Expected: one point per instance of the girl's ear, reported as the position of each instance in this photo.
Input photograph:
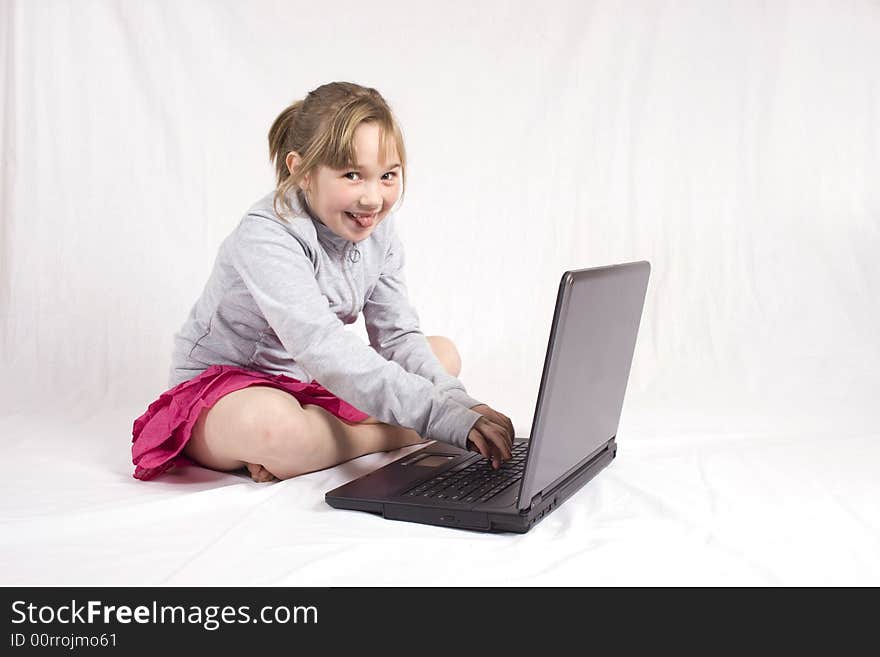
(292, 161)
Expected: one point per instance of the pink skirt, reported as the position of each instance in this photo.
(160, 434)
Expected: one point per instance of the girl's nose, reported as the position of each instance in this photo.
(370, 198)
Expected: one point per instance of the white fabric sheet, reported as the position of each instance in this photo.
(735, 146)
(683, 506)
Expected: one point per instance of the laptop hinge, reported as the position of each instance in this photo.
(561, 481)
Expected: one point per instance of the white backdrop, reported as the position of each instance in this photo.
(736, 146)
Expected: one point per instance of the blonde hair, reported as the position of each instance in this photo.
(320, 128)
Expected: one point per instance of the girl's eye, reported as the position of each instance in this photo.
(354, 175)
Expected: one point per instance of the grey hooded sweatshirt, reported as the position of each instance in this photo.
(277, 299)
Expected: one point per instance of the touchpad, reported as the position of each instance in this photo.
(433, 460)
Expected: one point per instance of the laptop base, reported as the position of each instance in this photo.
(499, 514)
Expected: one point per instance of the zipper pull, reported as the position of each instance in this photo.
(354, 254)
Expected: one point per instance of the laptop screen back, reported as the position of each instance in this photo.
(586, 370)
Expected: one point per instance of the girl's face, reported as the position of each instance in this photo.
(352, 202)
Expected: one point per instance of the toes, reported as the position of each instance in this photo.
(265, 476)
(260, 474)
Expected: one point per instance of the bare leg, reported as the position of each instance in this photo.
(348, 441)
(342, 441)
(286, 439)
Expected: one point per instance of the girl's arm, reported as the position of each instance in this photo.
(278, 272)
(393, 328)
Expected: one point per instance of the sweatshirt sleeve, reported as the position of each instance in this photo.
(393, 328)
(276, 268)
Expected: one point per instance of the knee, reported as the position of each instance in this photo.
(447, 353)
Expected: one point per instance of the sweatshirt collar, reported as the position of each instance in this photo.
(326, 237)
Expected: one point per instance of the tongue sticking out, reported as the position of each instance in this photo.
(364, 221)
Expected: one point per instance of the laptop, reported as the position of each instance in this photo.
(574, 433)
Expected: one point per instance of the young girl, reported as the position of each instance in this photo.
(264, 374)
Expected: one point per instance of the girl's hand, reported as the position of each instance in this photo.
(491, 440)
(497, 418)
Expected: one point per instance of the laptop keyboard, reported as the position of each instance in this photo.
(478, 482)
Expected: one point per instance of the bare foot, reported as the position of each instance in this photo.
(259, 473)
